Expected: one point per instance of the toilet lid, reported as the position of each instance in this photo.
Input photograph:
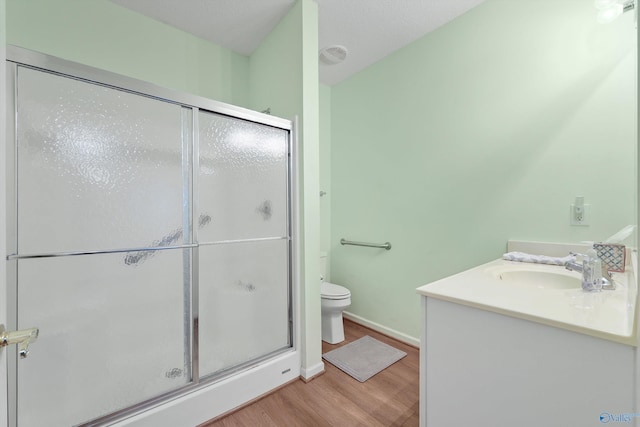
(332, 291)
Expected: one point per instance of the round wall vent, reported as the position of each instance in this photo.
(333, 55)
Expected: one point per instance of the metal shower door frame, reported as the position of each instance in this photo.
(18, 57)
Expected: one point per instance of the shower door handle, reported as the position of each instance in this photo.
(23, 338)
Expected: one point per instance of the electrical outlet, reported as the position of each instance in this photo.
(580, 214)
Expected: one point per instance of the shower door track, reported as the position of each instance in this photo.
(115, 417)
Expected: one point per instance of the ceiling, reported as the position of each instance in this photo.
(369, 29)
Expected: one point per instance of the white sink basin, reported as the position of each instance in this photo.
(547, 294)
(549, 278)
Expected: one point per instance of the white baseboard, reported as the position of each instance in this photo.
(308, 373)
(407, 339)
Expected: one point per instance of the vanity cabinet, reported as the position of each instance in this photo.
(481, 368)
(513, 344)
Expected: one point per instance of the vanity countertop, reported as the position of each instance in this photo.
(609, 314)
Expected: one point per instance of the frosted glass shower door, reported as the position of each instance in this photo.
(100, 186)
(149, 240)
(244, 260)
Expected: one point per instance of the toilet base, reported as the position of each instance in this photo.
(332, 327)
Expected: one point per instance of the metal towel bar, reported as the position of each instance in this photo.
(385, 245)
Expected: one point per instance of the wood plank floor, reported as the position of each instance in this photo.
(390, 398)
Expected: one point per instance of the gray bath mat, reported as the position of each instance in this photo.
(364, 357)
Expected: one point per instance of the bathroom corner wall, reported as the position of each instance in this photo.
(107, 36)
(482, 131)
(284, 78)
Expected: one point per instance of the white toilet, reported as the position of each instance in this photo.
(335, 299)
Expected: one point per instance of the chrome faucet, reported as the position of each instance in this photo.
(573, 265)
(589, 282)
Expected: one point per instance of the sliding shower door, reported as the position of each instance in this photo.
(244, 252)
(134, 220)
(99, 178)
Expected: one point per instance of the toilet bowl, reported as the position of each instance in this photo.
(335, 299)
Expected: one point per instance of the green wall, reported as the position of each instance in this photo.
(325, 169)
(104, 35)
(482, 131)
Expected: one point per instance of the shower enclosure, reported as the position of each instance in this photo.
(150, 240)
